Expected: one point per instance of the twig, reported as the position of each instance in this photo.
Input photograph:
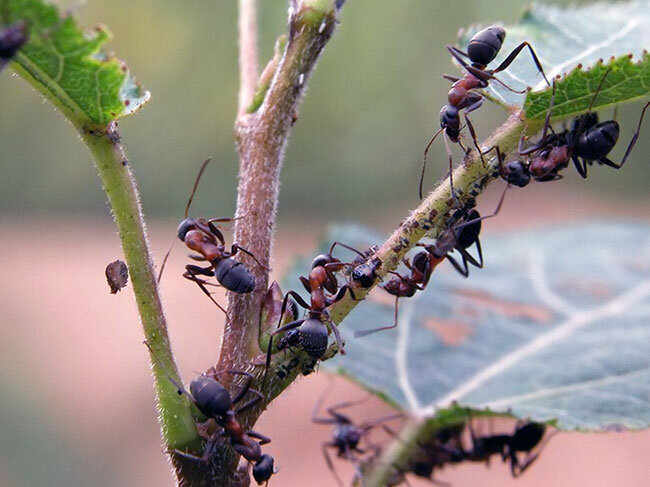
(248, 58)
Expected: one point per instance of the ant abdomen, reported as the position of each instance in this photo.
(598, 141)
(485, 45)
(234, 276)
(210, 397)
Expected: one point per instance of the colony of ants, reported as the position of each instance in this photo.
(331, 279)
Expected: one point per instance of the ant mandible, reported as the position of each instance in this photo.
(346, 435)
(483, 47)
(215, 402)
(203, 236)
(462, 232)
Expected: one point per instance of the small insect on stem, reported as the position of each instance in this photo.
(117, 275)
(205, 238)
(463, 95)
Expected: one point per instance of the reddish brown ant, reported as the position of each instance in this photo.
(586, 142)
(526, 436)
(483, 47)
(215, 402)
(346, 435)
(463, 229)
(205, 238)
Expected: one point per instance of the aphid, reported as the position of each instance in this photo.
(117, 275)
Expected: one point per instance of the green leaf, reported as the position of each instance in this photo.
(555, 327)
(565, 38)
(68, 67)
(625, 81)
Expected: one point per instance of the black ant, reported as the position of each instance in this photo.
(346, 435)
(526, 436)
(483, 47)
(311, 334)
(204, 237)
(584, 143)
(215, 402)
(12, 38)
(462, 232)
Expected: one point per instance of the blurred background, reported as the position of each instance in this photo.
(77, 404)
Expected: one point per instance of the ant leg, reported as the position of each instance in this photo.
(363, 333)
(263, 438)
(581, 166)
(341, 418)
(514, 53)
(424, 161)
(191, 273)
(472, 132)
(207, 452)
(341, 294)
(337, 334)
(258, 397)
(456, 52)
(328, 461)
(236, 247)
(630, 146)
(451, 172)
(464, 271)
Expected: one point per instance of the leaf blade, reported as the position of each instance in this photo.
(536, 337)
(68, 67)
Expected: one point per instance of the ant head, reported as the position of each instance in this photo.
(421, 260)
(210, 397)
(485, 45)
(321, 260)
(365, 274)
(263, 469)
(449, 116)
(290, 339)
(516, 173)
(185, 226)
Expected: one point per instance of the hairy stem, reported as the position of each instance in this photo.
(176, 420)
(248, 58)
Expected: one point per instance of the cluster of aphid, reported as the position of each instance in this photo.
(351, 442)
(584, 143)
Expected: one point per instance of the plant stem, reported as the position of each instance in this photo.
(176, 420)
(248, 58)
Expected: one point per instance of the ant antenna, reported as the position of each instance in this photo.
(424, 161)
(187, 211)
(181, 389)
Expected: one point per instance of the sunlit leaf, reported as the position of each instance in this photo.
(565, 38)
(555, 327)
(67, 65)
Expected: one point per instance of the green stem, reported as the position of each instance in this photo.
(176, 420)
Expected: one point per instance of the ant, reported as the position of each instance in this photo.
(12, 38)
(346, 435)
(311, 334)
(585, 142)
(204, 237)
(463, 229)
(483, 47)
(526, 436)
(215, 402)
